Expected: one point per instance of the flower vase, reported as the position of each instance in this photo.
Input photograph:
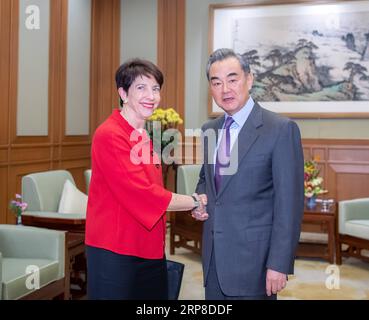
(18, 222)
(311, 202)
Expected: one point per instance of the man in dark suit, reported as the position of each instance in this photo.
(253, 177)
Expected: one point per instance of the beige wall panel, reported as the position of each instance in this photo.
(78, 68)
(138, 29)
(33, 69)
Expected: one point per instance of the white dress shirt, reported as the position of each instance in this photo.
(239, 118)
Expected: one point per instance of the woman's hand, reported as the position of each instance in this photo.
(200, 212)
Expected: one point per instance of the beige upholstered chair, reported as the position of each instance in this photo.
(28, 254)
(353, 229)
(88, 174)
(42, 192)
(182, 225)
(187, 178)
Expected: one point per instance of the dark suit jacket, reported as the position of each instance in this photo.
(254, 220)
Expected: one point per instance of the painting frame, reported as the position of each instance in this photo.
(318, 109)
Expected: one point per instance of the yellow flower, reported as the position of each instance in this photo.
(167, 116)
(312, 181)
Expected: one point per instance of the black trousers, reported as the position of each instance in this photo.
(112, 276)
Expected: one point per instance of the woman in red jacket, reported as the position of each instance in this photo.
(125, 223)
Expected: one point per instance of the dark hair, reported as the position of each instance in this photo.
(224, 53)
(131, 69)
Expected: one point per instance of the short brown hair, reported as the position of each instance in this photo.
(131, 69)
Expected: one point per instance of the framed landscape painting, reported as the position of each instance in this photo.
(309, 59)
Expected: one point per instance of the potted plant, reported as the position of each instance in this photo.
(162, 129)
(312, 183)
(17, 207)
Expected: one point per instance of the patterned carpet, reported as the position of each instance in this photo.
(314, 279)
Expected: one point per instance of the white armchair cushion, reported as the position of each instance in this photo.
(356, 209)
(54, 215)
(72, 200)
(357, 228)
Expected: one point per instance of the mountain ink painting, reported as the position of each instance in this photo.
(306, 57)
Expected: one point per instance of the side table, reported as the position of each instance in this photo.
(325, 222)
(77, 265)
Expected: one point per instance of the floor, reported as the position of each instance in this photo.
(314, 279)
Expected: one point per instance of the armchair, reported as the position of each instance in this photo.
(23, 249)
(42, 192)
(88, 174)
(183, 225)
(353, 229)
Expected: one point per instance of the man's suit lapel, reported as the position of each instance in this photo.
(210, 154)
(246, 138)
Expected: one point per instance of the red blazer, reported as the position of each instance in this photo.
(126, 202)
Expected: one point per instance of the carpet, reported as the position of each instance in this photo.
(314, 279)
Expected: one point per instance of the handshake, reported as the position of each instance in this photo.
(200, 212)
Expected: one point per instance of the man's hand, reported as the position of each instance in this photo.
(200, 212)
(275, 281)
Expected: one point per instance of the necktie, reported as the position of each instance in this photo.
(223, 153)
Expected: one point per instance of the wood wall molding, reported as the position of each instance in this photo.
(105, 52)
(8, 20)
(27, 154)
(171, 53)
(344, 165)
(13, 69)
(6, 12)
(337, 142)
